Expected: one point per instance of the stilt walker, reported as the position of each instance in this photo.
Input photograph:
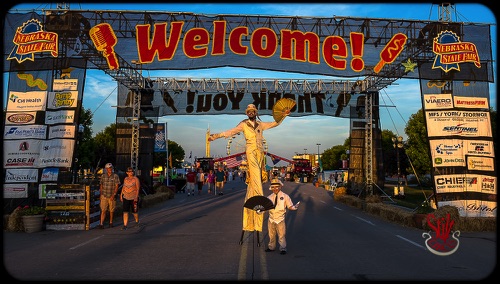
(256, 173)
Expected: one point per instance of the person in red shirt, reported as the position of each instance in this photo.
(191, 181)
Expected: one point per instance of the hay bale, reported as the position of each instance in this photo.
(441, 214)
(15, 223)
(373, 199)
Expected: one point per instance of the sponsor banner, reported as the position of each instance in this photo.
(21, 153)
(438, 101)
(62, 131)
(452, 152)
(56, 153)
(60, 116)
(62, 99)
(470, 102)
(475, 163)
(65, 85)
(21, 175)
(465, 183)
(460, 123)
(26, 101)
(49, 174)
(15, 190)
(160, 137)
(234, 100)
(473, 208)
(45, 189)
(20, 118)
(25, 132)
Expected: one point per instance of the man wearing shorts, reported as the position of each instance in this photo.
(220, 178)
(108, 189)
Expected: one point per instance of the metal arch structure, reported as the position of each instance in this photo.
(73, 27)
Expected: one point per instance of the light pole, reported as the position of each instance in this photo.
(397, 143)
(318, 144)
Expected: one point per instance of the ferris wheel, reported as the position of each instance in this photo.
(237, 144)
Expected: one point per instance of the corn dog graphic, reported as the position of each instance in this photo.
(104, 40)
(31, 82)
(391, 50)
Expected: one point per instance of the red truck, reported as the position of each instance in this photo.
(301, 168)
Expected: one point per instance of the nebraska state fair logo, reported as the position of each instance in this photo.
(439, 241)
(450, 51)
(30, 39)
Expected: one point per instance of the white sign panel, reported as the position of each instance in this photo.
(452, 152)
(465, 183)
(26, 101)
(15, 190)
(21, 175)
(62, 99)
(438, 101)
(475, 163)
(470, 102)
(65, 85)
(25, 132)
(62, 131)
(43, 191)
(49, 174)
(56, 153)
(60, 116)
(20, 118)
(21, 153)
(459, 123)
(473, 208)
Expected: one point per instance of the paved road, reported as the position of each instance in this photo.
(197, 238)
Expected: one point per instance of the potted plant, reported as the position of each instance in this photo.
(421, 212)
(33, 217)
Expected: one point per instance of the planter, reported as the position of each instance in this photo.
(33, 223)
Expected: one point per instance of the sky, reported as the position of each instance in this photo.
(295, 134)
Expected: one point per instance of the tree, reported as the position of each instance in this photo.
(417, 145)
(161, 159)
(332, 157)
(85, 143)
(390, 155)
(105, 149)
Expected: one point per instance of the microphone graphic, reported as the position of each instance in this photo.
(104, 40)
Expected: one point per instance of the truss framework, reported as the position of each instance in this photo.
(74, 25)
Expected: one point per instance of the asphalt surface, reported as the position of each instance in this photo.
(197, 238)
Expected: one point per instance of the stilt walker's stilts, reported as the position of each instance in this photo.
(243, 234)
(241, 239)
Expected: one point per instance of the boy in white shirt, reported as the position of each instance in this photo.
(276, 223)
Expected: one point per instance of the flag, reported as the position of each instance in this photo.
(170, 160)
(190, 154)
(274, 158)
(160, 137)
(234, 161)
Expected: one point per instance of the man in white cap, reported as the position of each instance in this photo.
(253, 131)
(108, 189)
(276, 225)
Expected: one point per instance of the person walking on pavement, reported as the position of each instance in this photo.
(220, 179)
(190, 181)
(130, 197)
(254, 150)
(200, 180)
(276, 225)
(108, 189)
(210, 180)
